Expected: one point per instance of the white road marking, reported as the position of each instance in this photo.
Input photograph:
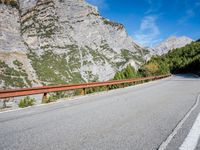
(192, 138)
(164, 145)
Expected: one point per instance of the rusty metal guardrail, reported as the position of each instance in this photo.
(48, 89)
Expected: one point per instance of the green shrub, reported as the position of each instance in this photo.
(126, 73)
(17, 63)
(96, 89)
(27, 101)
(55, 96)
(113, 24)
(78, 91)
(52, 98)
(13, 3)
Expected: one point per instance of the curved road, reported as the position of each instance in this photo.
(141, 117)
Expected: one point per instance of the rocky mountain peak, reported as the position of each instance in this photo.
(171, 43)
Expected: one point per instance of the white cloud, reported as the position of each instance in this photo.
(148, 34)
(101, 4)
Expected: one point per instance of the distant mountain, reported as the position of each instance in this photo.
(198, 40)
(170, 44)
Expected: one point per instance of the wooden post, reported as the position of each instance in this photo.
(83, 92)
(123, 85)
(4, 102)
(45, 98)
(107, 88)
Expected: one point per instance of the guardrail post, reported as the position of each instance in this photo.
(4, 102)
(83, 91)
(45, 98)
(107, 88)
(123, 85)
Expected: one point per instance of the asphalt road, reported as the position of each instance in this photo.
(135, 118)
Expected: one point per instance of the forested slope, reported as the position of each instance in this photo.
(180, 60)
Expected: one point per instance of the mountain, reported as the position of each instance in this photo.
(170, 44)
(46, 42)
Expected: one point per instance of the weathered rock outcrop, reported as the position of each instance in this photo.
(62, 41)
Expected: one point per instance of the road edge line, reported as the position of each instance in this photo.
(191, 140)
(164, 144)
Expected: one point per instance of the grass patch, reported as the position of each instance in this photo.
(27, 101)
(57, 95)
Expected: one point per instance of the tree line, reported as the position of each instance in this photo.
(180, 60)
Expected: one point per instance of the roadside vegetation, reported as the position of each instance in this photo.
(181, 60)
(27, 101)
(127, 73)
(57, 95)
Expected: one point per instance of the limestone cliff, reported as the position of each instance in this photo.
(61, 41)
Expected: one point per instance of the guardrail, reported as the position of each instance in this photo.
(48, 89)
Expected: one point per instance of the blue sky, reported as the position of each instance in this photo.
(151, 21)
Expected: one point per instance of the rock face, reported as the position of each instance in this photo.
(170, 44)
(61, 41)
